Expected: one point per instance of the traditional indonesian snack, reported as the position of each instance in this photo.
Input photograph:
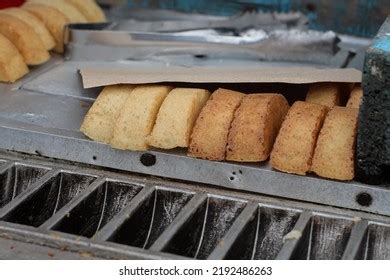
(294, 146)
(12, 65)
(210, 134)
(70, 11)
(54, 20)
(356, 97)
(334, 155)
(327, 94)
(35, 23)
(176, 117)
(100, 120)
(137, 117)
(255, 126)
(25, 39)
(91, 11)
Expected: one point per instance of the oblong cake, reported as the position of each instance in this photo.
(53, 19)
(255, 126)
(334, 155)
(99, 122)
(176, 117)
(35, 23)
(210, 134)
(294, 146)
(356, 97)
(89, 8)
(327, 94)
(12, 65)
(71, 12)
(137, 117)
(25, 39)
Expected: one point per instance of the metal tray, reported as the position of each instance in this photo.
(42, 113)
(75, 211)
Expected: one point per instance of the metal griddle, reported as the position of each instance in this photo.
(79, 206)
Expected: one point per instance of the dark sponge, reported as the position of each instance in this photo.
(373, 142)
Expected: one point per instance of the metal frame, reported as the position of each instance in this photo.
(99, 247)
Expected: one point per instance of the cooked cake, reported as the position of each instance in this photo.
(12, 65)
(137, 117)
(25, 39)
(100, 120)
(176, 117)
(294, 146)
(210, 134)
(334, 155)
(255, 126)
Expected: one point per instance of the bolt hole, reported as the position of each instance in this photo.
(234, 173)
(94, 158)
(364, 199)
(200, 56)
(240, 171)
(231, 178)
(148, 159)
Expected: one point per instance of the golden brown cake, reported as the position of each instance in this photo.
(12, 65)
(137, 117)
(176, 117)
(25, 39)
(71, 12)
(295, 143)
(210, 134)
(334, 155)
(89, 8)
(356, 97)
(35, 23)
(255, 126)
(54, 20)
(327, 94)
(99, 122)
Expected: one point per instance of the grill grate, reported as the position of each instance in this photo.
(111, 215)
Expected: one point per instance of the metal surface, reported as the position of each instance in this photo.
(79, 212)
(87, 42)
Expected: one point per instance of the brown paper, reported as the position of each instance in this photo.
(95, 77)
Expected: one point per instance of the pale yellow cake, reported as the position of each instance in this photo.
(71, 12)
(101, 118)
(35, 23)
(12, 65)
(91, 11)
(54, 20)
(176, 117)
(137, 117)
(25, 39)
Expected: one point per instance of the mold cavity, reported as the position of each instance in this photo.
(205, 229)
(98, 208)
(262, 237)
(17, 179)
(154, 215)
(49, 198)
